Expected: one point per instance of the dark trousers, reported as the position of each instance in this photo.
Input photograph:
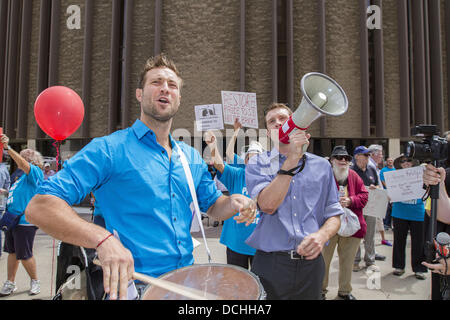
(238, 259)
(401, 228)
(284, 278)
(387, 221)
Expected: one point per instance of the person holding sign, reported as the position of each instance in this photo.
(141, 185)
(408, 216)
(299, 207)
(233, 234)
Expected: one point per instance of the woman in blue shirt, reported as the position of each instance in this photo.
(408, 216)
(19, 241)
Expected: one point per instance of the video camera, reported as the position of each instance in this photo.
(432, 147)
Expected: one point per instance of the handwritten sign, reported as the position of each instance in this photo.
(209, 117)
(405, 184)
(241, 105)
(377, 204)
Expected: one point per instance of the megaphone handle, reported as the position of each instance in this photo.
(305, 147)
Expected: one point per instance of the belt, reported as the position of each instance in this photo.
(291, 253)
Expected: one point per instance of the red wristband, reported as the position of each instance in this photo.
(101, 242)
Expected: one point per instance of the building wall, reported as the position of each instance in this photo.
(203, 37)
(391, 69)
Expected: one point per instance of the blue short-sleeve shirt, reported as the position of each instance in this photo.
(23, 190)
(144, 197)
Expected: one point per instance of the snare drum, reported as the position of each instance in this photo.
(226, 281)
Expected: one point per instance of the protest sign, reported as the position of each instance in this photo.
(241, 105)
(405, 184)
(377, 204)
(209, 117)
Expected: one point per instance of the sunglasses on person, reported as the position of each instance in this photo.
(346, 158)
(405, 160)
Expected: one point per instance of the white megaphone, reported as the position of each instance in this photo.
(321, 96)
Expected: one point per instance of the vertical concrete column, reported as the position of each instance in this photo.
(364, 56)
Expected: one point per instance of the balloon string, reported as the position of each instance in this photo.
(57, 145)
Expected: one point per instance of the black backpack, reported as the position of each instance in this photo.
(77, 277)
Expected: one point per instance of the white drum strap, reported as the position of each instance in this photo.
(188, 173)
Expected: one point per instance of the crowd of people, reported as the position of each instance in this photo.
(282, 210)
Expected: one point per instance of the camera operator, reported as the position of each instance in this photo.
(441, 176)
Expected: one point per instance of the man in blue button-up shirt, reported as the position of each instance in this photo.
(299, 213)
(139, 182)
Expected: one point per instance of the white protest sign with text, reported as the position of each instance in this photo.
(405, 184)
(241, 105)
(209, 117)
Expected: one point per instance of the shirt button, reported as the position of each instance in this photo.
(179, 242)
(297, 230)
(295, 214)
(295, 198)
(174, 219)
(293, 181)
(173, 195)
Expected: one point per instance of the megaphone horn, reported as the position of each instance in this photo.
(321, 96)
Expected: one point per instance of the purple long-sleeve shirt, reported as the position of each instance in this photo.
(312, 199)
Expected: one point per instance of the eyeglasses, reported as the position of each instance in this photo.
(346, 158)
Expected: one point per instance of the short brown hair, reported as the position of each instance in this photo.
(158, 61)
(275, 105)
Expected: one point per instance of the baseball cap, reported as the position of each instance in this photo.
(361, 150)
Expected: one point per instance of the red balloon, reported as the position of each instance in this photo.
(59, 111)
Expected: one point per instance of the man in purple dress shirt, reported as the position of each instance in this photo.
(299, 205)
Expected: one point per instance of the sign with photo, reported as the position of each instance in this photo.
(209, 117)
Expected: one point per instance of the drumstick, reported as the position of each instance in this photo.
(191, 293)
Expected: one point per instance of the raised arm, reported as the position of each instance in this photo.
(211, 141)
(18, 159)
(435, 176)
(230, 148)
(271, 197)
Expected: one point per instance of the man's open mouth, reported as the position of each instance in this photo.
(163, 100)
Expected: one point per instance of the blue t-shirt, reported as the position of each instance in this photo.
(234, 234)
(382, 171)
(238, 162)
(22, 191)
(413, 210)
(144, 197)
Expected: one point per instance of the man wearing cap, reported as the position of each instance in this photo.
(233, 235)
(370, 178)
(299, 208)
(47, 171)
(354, 197)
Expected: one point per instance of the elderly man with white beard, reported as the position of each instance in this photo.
(354, 196)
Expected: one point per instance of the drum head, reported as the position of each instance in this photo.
(226, 281)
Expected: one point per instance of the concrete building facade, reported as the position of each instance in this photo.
(389, 56)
